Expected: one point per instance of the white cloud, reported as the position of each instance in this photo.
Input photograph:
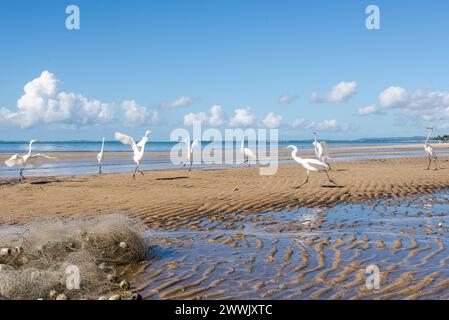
(243, 117)
(330, 125)
(217, 117)
(43, 103)
(181, 102)
(418, 105)
(287, 98)
(339, 93)
(371, 109)
(393, 97)
(298, 122)
(138, 116)
(191, 117)
(272, 121)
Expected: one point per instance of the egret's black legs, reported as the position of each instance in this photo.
(435, 162)
(307, 180)
(328, 178)
(21, 175)
(430, 161)
(135, 171)
(191, 162)
(99, 169)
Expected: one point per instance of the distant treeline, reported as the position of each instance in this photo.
(442, 138)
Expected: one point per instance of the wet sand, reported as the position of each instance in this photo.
(231, 233)
(176, 197)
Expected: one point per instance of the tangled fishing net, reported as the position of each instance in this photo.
(36, 258)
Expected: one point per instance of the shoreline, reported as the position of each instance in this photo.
(333, 151)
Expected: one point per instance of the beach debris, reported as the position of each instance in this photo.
(22, 260)
(115, 297)
(17, 251)
(4, 252)
(124, 285)
(61, 297)
(235, 189)
(6, 267)
(52, 294)
(112, 277)
(48, 247)
(440, 224)
(102, 298)
(131, 296)
(123, 245)
(104, 267)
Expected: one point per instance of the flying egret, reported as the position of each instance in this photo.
(190, 147)
(247, 153)
(100, 157)
(429, 150)
(310, 165)
(32, 160)
(321, 150)
(138, 148)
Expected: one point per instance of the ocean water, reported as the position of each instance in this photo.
(12, 147)
(157, 154)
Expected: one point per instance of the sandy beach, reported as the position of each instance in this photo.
(175, 197)
(216, 230)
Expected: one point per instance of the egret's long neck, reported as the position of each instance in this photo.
(428, 136)
(142, 149)
(102, 145)
(242, 145)
(29, 147)
(295, 155)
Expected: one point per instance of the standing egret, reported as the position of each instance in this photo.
(310, 165)
(138, 148)
(247, 153)
(100, 156)
(190, 147)
(429, 150)
(32, 160)
(321, 150)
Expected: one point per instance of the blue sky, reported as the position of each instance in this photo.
(161, 64)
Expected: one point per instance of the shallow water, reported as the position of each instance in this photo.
(319, 253)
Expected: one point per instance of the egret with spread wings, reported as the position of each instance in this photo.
(321, 150)
(190, 146)
(138, 148)
(27, 160)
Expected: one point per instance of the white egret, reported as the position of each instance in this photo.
(429, 150)
(31, 160)
(314, 165)
(190, 147)
(321, 150)
(100, 157)
(138, 149)
(247, 153)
